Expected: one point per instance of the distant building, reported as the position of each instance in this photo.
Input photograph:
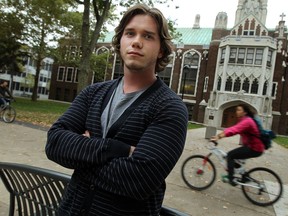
(214, 69)
(22, 83)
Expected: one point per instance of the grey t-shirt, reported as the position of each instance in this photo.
(117, 104)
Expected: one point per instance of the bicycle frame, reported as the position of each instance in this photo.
(221, 156)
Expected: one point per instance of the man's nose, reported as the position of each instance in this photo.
(137, 42)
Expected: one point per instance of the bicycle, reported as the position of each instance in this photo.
(8, 113)
(260, 185)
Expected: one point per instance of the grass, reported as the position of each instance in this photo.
(194, 126)
(282, 140)
(45, 113)
(41, 112)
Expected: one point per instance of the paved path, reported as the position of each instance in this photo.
(22, 144)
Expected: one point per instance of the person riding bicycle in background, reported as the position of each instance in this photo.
(4, 92)
(251, 145)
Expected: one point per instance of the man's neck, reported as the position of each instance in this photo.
(137, 81)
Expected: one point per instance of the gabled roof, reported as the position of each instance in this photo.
(257, 23)
(190, 36)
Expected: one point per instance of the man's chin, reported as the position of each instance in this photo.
(134, 68)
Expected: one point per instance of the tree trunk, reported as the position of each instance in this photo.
(38, 63)
(85, 74)
(36, 80)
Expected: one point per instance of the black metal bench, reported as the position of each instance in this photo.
(38, 191)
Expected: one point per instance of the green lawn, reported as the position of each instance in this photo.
(41, 112)
(281, 140)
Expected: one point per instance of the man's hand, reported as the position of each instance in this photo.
(86, 134)
(132, 148)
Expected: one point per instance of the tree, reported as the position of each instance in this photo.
(43, 22)
(12, 52)
(102, 11)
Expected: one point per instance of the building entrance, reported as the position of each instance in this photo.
(229, 117)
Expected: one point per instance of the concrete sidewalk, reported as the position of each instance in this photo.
(23, 144)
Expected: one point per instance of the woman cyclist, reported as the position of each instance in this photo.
(249, 132)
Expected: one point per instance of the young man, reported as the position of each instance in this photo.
(123, 137)
(4, 92)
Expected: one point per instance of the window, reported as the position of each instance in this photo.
(254, 86)
(265, 86)
(250, 56)
(165, 75)
(219, 83)
(190, 73)
(76, 76)
(237, 85)
(228, 86)
(222, 55)
(69, 74)
(241, 56)
(248, 32)
(206, 84)
(259, 56)
(269, 58)
(246, 85)
(188, 82)
(232, 57)
(60, 74)
(274, 89)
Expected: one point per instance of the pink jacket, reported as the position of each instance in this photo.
(246, 127)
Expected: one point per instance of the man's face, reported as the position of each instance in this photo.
(4, 84)
(140, 44)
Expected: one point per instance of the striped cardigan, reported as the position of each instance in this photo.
(106, 181)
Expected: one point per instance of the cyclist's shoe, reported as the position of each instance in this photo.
(225, 179)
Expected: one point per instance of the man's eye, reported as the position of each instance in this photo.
(129, 33)
(148, 36)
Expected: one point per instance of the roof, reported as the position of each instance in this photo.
(190, 36)
(195, 36)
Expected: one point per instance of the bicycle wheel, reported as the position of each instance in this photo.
(9, 114)
(262, 187)
(198, 172)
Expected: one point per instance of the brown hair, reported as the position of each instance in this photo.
(165, 38)
(247, 109)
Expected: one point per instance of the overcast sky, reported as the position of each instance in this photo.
(208, 10)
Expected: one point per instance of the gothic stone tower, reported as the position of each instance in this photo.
(245, 66)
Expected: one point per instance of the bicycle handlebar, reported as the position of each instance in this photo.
(215, 142)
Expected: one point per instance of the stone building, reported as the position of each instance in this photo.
(214, 69)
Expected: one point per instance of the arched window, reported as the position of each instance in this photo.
(246, 85)
(265, 86)
(228, 86)
(219, 83)
(190, 73)
(254, 87)
(237, 85)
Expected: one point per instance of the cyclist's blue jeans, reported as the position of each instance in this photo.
(242, 152)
